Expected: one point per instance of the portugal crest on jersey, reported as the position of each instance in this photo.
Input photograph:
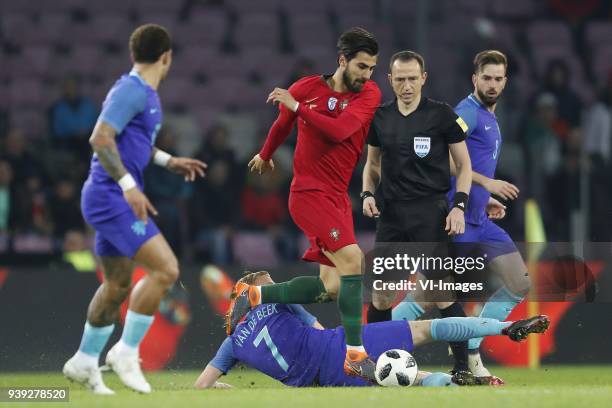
(334, 234)
(422, 145)
(331, 103)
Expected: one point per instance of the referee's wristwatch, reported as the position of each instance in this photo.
(365, 194)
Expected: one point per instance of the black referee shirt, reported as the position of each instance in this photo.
(414, 148)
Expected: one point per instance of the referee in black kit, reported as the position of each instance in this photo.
(408, 148)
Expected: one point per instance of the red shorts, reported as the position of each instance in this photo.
(326, 220)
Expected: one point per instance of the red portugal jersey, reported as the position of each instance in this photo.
(332, 129)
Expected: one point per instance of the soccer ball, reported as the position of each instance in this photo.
(396, 368)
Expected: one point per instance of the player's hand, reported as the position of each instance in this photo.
(495, 209)
(189, 168)
(369, 207)
(455, 222)
(221, 385)
(279, 95)
(140, 203)
(260, 165)
(501, 188)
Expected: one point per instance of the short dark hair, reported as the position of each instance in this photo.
(355, 40)
(251, 277)
(405, 56)
(489, 57)
(148, 42)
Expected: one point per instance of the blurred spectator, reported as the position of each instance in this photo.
(24, 164)
(72, 118)
(598, 126)
(264, 207)
(167, 192)
(569, 107)
(542, 142)
(562, 193)
(216, 146)
(77, 253)
(214, 206)
(6, 176)
(31, 209)
(213, 213)
(65, 209)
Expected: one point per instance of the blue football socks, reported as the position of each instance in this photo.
(498, 307)
(136, 326)
(94, 339)
(465, 328)
(408, 309)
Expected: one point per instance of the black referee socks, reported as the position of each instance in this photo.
(375, 315)
(459, 348)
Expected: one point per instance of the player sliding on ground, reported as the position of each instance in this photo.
(114, 204)
(333, 113)
(288, 344)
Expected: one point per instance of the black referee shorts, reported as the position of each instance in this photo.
(414, 227)
(420, 220)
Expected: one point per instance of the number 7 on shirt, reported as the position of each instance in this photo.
(264, 334)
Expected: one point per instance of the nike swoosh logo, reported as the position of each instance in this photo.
(312, 100)
(487, 127)
(153, 110)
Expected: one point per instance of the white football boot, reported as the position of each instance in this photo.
(86, 373)
(475, 364)
(127, 367)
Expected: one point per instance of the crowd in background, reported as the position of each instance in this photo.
(550, 124)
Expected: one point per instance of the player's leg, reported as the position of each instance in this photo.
(349, 261)
(465, 328)
(102, 314)
(388, 231)
(157, 258)
(505, 262)
(326, 226)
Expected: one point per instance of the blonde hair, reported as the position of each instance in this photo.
(251, 277)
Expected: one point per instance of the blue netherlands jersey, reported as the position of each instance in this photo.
(279, 341)
(133, 109)
(483, 143)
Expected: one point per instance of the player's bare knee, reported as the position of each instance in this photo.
(168, 274)
(443, 305)
(382, 300)
(331, 286)
(382, 303)
(520, 288)
(351, 263)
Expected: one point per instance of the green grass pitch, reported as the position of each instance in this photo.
(554, 386)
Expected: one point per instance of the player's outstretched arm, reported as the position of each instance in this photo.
(262, 161)
(185, 166)
(103, 143)
(337, 129)
(208, 378)
(501, 188)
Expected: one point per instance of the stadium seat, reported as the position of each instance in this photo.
(203, 29)
(549, 32)
(602, 64)
(303, 35)
(298, 7)
(513, 9)
(250, 7)
(598, 33)
(30, 120)
(257, 29)
(254, 249)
